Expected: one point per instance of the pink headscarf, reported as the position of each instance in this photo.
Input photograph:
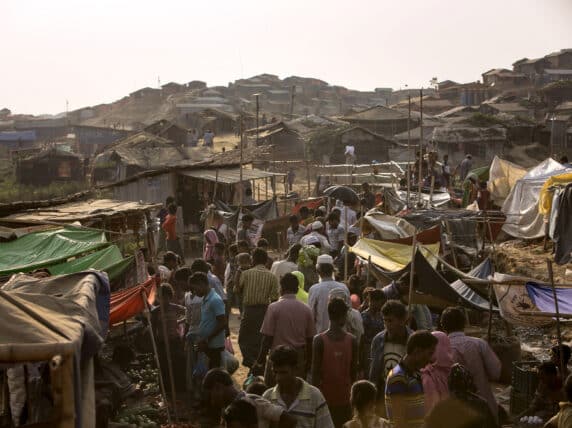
(211, 238)
(435, 375)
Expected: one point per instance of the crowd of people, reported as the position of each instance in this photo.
(325, 346)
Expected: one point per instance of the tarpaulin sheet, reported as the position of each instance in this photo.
(545, 201)
(128, 302)
(514, 299)
(523, 219)
(387, 255)
(502, 177)
(41, 249)
(108, 260)
(543, 298)
(432, 283)
(41, 318)
(388, 227)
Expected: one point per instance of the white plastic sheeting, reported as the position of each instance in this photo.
(521, 206)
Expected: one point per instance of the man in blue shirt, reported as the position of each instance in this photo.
(213, 319)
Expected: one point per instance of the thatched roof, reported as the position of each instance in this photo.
(468, 134)
(144, 150)
(377, 113)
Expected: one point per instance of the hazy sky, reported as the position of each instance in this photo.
(92, 52)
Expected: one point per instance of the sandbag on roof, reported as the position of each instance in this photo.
(108, 260)
(41, 249)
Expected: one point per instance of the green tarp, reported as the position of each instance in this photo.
(46, 248)
(108, 260)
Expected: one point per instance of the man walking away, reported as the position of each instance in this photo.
(287, 322)
(258, 287)
(334, 363)
(474, 354)
(319, 294)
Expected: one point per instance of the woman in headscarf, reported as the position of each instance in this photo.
(462, 387)
(211, 238)
(436, 374)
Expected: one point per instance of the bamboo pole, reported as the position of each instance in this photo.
(453, 252)
(147, 314)
(215, 185)
(346, 256)
(368, 270)
(558, 330)
(431, 191)
(419, 200)
(168, 351)
(409, 153)
(412, 273)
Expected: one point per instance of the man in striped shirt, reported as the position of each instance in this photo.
(404, 397)
(298, 398)
(258, 288)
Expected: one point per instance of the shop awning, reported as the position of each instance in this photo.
(230, 176)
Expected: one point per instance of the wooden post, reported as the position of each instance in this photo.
(168, 351)
(453, 252)
(419, 200)
(258, 189)
(346, 256)
(368, 271)
(431, 191)
(215, 185)
(147, 314)
(409, 153)
(412, 272)
(558, 331)
(308, 177)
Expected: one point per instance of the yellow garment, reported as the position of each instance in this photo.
(563, 419)
(545, 199)
(391, 256)
(301, 295)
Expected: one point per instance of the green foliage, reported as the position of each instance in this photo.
(10, 191)
(481, 120)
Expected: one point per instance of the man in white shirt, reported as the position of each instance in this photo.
(288, 265)
(319, 294)
(344, 211)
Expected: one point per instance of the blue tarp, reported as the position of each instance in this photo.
(18, 136)
(543, 298)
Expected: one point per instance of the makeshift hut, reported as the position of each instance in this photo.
(166, 129)
(134, 154)
(54, 327)
(48, 166)
(380, 120)
(521, 206)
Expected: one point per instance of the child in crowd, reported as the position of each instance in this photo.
(363, 405)
(218, 262)
(372, 325)
(563, 419)
(548, 393)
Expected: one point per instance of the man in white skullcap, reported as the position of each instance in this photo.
(319, 294)
(317, 228)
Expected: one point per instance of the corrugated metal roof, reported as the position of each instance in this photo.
(229, 176)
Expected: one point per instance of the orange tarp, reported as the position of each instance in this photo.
(127, 303)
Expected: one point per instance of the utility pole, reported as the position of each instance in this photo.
(419, 200)
(292, 96)
(409, 151)
(257, 113)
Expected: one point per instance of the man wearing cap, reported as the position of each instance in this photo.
(319, 294)
(316, 233)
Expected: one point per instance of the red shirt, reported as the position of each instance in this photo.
(337, 370)
(170, 227)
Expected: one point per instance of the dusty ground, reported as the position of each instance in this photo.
(528, 259)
